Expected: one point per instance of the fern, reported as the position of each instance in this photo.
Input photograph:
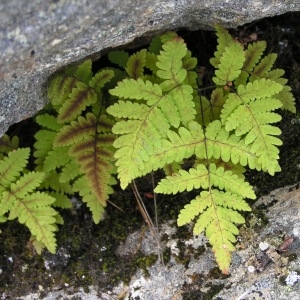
(152, 110)
(149, 113)
(160, 124)
(20, 199)
(80, 144)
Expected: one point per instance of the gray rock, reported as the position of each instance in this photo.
(37, 37)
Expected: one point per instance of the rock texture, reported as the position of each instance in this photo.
(37, 37)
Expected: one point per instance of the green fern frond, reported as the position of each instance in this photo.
(170, 64)
(119, 58)
(254, 101)
(287, 99)
(231, 62)
(84, 71)
(136, 64)
(53, 182)
(151, 60)
(203, 177)
(61, 201)
(35, 212)
(217, 220)
(137, 89)
(76, 131)
(228, 147)
(12, 166)
(164, 105)
(265, 65)
(184, 181)
(56, 158)
(224, 39)
(253, 55)
(100, 79)
(20, 199)
(60, 87)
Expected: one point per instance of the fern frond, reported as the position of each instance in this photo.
(35, 212)
(26, 184)
(81, 96)
(136, 64)
(211, 109)
(19, 198)
(169, 63)
(217, 220)
(84, 71)
(61, 200)
(127, 109)
(48, 122)
(56, 158)
(230, 182)
(95, 162)
(287, 99)
(265, 65)
(76, 131)
(12, 166)
(100, 79)
(231, 62)
(224, 39)
(95, 205)
(254, 101)
(203, 177)
(253, 55)
(60, 87)
(119, 58)
(53, 182)
(184, 181)
(151, 60)
(137, 89)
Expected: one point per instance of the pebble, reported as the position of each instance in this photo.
(263, 246)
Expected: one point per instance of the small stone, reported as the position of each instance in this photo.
(263, 246)
(296, 232)
(251, 269)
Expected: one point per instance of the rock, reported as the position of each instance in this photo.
(37, 38)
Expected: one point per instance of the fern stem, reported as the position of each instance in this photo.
(155, 202)
(148, 220)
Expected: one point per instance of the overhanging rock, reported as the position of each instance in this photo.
(38, 37)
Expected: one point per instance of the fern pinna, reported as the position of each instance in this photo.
(162, 120)
(20, 198)
(75, 147)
